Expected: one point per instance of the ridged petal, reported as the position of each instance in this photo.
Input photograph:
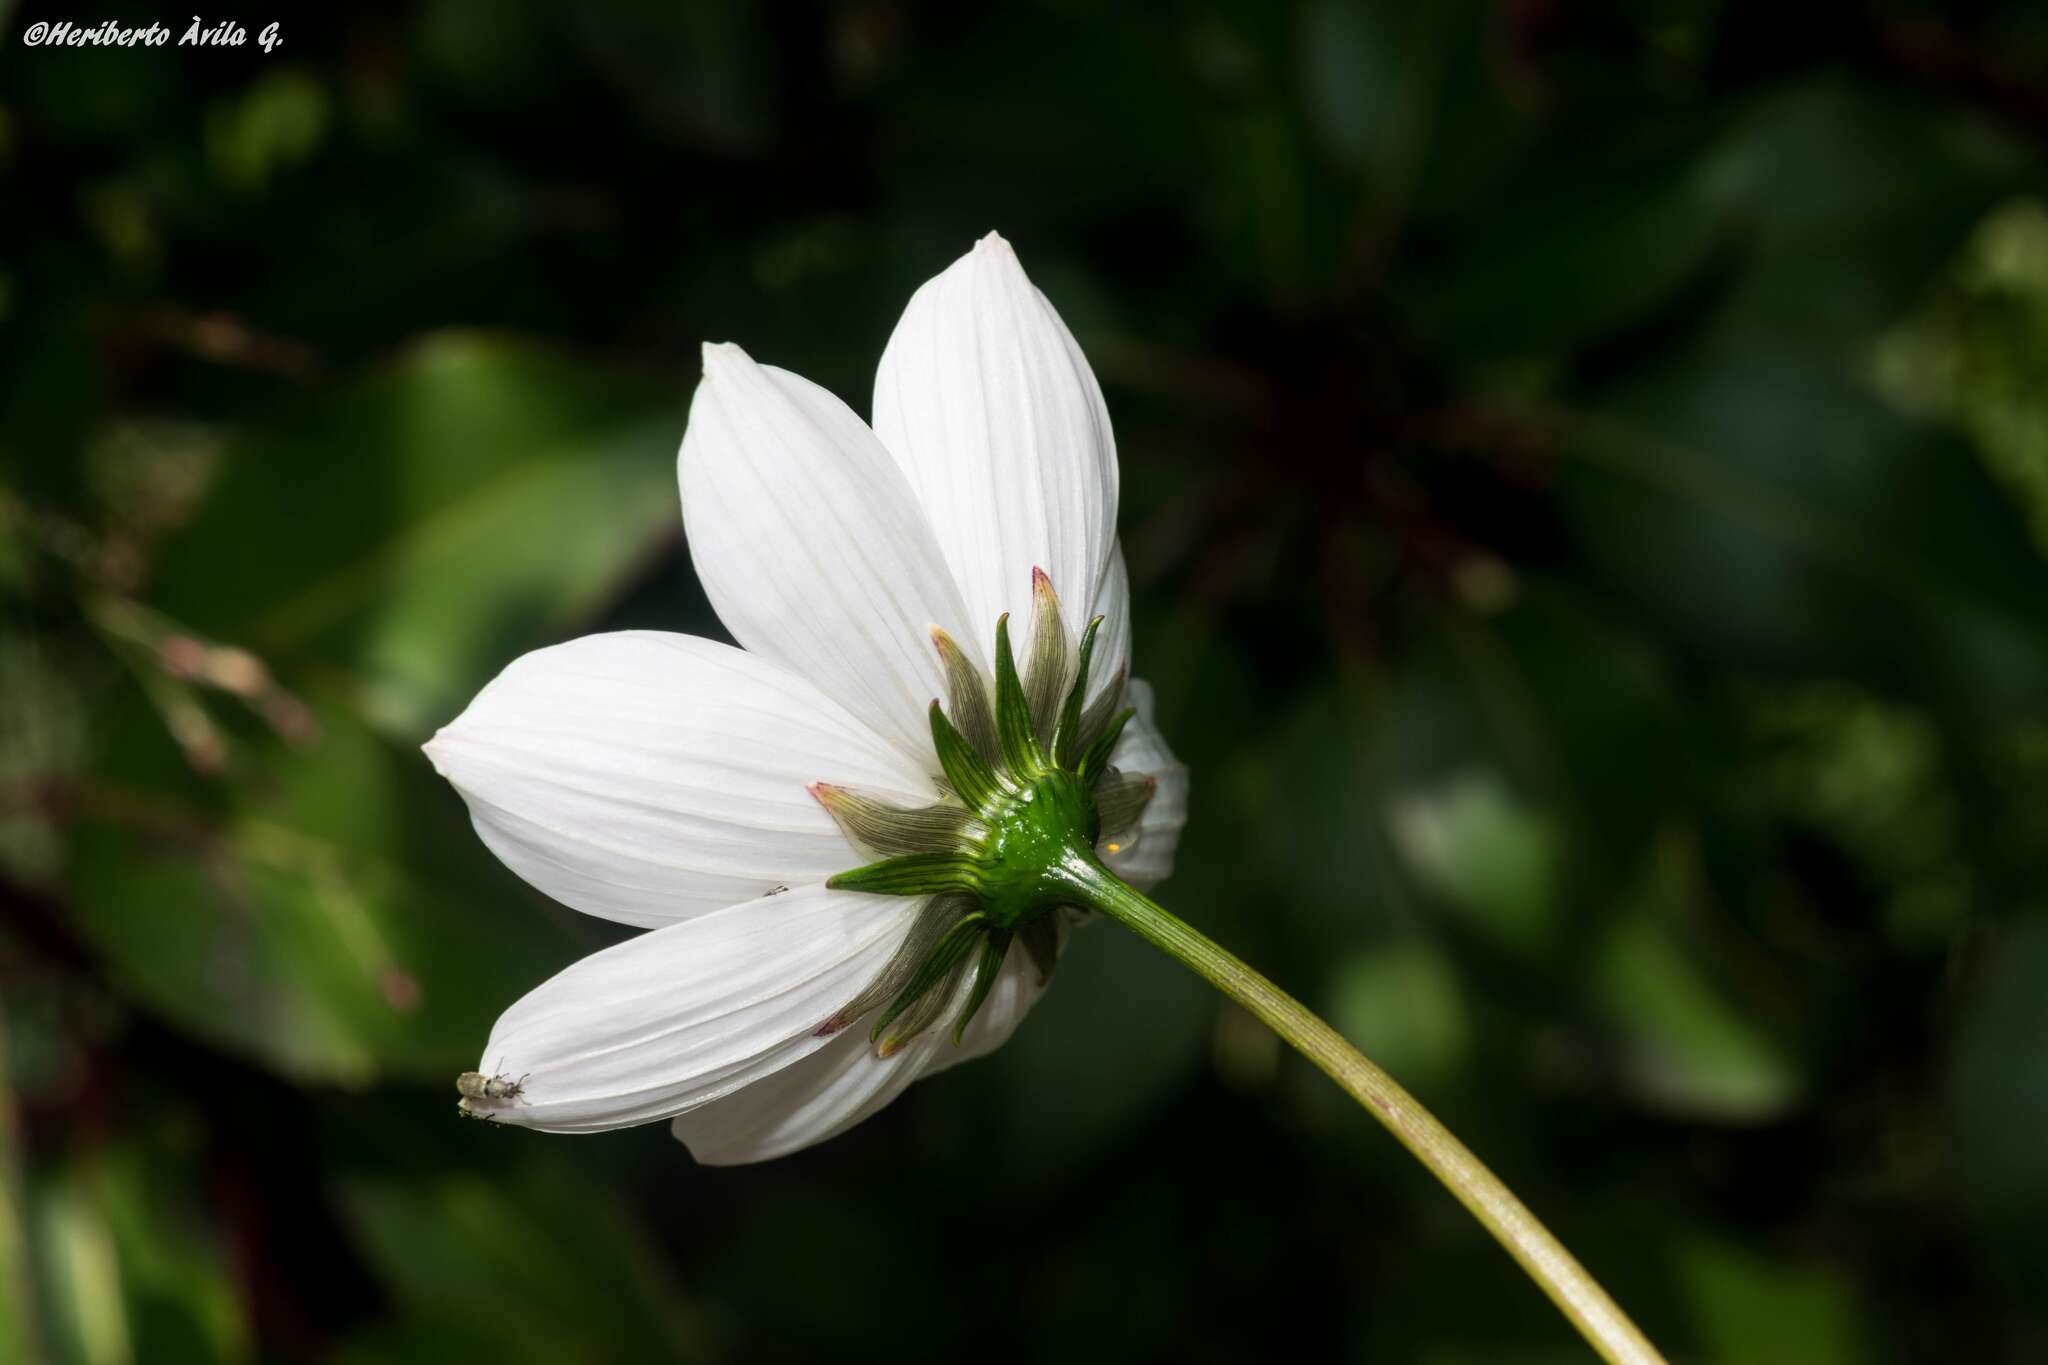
(990, 408)
(647, 777)
(1113, 642)
(812, 546)
(819, 1097)
(1147, 860)
(1016, 990)
(843, 1083)
(685, 1015)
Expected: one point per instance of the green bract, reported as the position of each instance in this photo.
(1029, 791)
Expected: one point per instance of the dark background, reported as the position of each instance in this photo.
(1585, 481)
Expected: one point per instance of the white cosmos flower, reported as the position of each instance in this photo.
(663, 780)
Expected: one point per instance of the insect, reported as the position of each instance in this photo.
(777, 890)
(474, 1085)
(481, 1115)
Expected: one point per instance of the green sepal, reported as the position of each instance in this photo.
(1096, 761)
(1045, 671)
(1041, 936)
(937, 965)
(889, 829)
(934, 918)
(1102, 708)
(912, 874)
(995, 946)
(967, 694)
(1067, 731)
(1120, 801)
(970, 776)
(922, 1012)
(1019, 742)
(1026, 788)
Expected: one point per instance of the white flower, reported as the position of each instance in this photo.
(661, 780)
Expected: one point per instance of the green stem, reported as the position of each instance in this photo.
(1577, 1294)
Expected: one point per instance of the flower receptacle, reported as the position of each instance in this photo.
(1028, 797)
(1031, 838)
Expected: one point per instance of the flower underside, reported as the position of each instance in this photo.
(1027, 785)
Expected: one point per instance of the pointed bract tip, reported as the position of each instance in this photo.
(1041, 581)
(995, 241)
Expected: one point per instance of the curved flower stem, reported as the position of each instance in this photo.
(1575, 1292)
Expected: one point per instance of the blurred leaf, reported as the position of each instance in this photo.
(1998, 1100)
(538, 1260)
(1687, 1046)
(94, 94)
(1754, 1309)
(1115, 119)
(132, 1265)
(272, 126)
(43, 736)
(20, 1337)
(1315, 797)
(1118, 1031)
(495, 492)
(1851, 202)
(423, 1339)
(491, 53)
(1373, 77)
(337, 919)
(1875, 776)
(1486, 852)
(1768, 513)
(183, 1297)
(791, 1224)
(85, 1320)
(1400, 97)
(696, 72)
(1975, 353)
(1572, 254)
(1538, 748)
(1282, 235)
(1402, 1006)
(1583, 713)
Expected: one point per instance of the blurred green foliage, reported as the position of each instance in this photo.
(1586, 486)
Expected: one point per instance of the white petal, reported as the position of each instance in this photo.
(1113, 641)
(990, 407)
(1016, 990)
(812, 546)
(821, 1096)
(684, 1015)
(844, 1082)
(1147, 860)
(647, 777)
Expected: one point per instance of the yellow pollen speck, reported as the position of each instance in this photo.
(1112, 848)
